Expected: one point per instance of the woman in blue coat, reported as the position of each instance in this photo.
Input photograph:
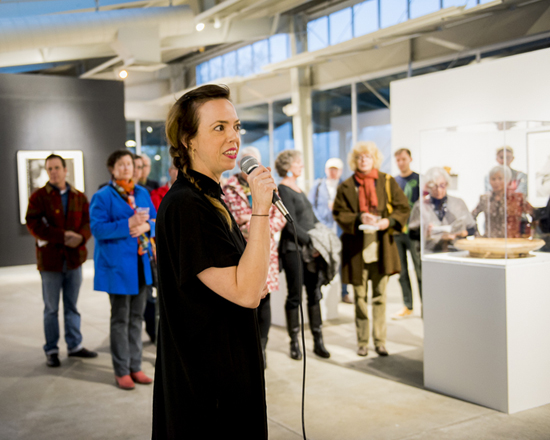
(122, 220)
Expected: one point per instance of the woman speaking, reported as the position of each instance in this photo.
(209, 379)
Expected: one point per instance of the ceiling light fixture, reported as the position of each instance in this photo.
(199, 27)
(217, 23)
(123, 74)
(149, 129)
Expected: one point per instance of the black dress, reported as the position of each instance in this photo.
(209, 378)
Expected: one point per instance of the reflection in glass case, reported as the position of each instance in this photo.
(484, 189)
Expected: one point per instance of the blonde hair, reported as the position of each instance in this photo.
(182, 125)
(365, 147)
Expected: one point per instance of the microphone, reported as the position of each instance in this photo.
(249, 164)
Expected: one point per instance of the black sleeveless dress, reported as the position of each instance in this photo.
(209, 378)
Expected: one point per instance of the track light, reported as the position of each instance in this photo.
(199, 27)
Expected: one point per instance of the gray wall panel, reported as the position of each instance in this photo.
(53, 113)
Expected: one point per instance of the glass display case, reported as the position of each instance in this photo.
(483, 188)
(482, 220)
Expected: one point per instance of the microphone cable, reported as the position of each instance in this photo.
(300, 278)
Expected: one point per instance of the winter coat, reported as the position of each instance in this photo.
(347, 215)
(116, 252)
(47, 222)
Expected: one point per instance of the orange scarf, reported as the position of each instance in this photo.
(368, 201)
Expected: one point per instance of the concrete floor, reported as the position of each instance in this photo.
(347, 397)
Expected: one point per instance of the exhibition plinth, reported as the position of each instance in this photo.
(487, 329)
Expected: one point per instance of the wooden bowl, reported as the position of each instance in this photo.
(499, 247)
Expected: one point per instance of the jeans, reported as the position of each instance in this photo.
(126, 322)
(403, 243)
(68, 281)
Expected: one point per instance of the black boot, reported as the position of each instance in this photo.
(263, 341)
(293, 327)
(315, 323)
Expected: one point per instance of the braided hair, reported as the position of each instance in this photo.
(182, 125)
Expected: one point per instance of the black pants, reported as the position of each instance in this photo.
(404, 243)
(291, 263)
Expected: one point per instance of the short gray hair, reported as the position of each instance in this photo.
(502, 169)
(284, 161)
(433, 173)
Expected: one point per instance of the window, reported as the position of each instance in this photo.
(283, 136)
(230, 64)
(365, 18)
(393, 12)
(331, 126)
(202, 73)
(216, 68)
(340, 25)
(255, 133)
(423, 7)
(261, 55)
(317, 34)
(153, 144)
(244, 61)
(278, 48)
(131, 136)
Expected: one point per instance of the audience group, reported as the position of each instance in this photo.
(379, 220)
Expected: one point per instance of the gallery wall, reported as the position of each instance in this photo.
(53, 113)
(471, 99)
(514, 88)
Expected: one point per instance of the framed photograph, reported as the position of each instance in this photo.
(31, 173)
(538, 178)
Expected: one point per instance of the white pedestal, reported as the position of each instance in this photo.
(487, 329)
(332, 295)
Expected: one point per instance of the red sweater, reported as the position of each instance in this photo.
(158, 194)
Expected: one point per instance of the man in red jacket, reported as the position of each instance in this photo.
(59, 219)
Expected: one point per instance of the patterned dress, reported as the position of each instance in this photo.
(497, 223)
(236, 197)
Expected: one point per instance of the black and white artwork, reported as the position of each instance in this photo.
(31, 168)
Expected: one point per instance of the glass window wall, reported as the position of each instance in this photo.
(365, 18)
(283, 134)
(393, 12)
(332, 135)
(317, 34)
(341, 26)
(373, 116)
(154, 145)
(424, 7)
(131, 136)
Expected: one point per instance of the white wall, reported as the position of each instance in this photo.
(516, 88)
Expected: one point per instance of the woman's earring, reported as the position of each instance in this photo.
(289, 174)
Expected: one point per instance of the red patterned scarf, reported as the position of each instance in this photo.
(125, 189)
(368, 201)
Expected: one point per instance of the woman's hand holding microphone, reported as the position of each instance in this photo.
(262, 186)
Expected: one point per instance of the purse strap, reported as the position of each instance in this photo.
(388, 193)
